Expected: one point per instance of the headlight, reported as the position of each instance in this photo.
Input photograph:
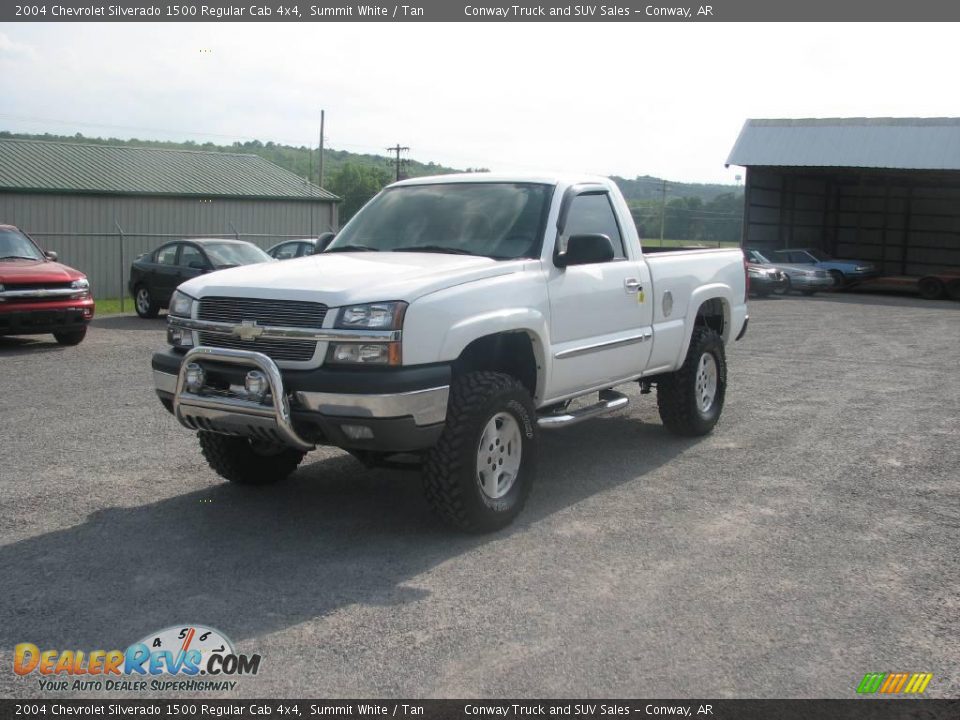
(374, 316)
(863, 268)
(179, 337)
(81, 284)
(181, 304)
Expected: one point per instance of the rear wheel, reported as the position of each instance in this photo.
(481, 471)
(931, 288)
(144, 303)
(70, 337)
(247, 462)
(690, 400)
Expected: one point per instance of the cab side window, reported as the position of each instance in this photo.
(592, 214)
(167, 255)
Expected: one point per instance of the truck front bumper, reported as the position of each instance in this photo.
(390, 410)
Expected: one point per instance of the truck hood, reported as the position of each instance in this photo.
(337, 279)
(36, 271)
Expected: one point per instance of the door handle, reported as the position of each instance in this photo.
(632, 285)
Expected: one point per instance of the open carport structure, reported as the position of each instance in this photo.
(879, 189)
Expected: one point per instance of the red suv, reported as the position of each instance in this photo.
(38, 294)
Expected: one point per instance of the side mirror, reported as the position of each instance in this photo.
(586, 250)
(50, 255)
(323, 240)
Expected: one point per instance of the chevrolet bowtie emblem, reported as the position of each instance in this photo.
(248, 330)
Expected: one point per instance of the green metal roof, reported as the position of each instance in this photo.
(40, 166)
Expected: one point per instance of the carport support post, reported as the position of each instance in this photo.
(122, 293)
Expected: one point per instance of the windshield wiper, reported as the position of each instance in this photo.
(17, 257)
(433, 249)
(351, 248)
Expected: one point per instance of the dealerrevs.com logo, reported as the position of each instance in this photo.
(178, 658)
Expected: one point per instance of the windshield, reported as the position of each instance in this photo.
(755, 257)
(14, 244)
(496, 220)
(232, 254)
(818, 255)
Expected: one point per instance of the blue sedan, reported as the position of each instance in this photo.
(843, 272)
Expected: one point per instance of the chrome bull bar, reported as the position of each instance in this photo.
(237, 416)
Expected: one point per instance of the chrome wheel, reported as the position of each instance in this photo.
(498, 455)
(706, 382)
(143, 301)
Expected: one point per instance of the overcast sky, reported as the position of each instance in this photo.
(612, 98)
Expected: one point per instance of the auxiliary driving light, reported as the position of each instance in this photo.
(194, 377)
(256, 384)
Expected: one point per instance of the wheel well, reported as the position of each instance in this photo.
(712, 314)
(510, 353)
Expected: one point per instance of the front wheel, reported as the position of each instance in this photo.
(480, 473)
(71, 337)
(247, 462)
(690, 400)
(784, 287)
(839, 279)
(144, 303)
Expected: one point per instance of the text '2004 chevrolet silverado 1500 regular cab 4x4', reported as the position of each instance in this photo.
(449, 322)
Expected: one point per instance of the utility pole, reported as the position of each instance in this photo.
(397, 149)
(320, 176)
(663, 208)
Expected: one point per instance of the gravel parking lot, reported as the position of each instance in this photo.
(811, 539)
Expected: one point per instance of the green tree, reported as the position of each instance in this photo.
(355, 184)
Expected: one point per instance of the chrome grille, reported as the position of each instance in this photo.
(293, 350)
(281, 313)
(278, 313)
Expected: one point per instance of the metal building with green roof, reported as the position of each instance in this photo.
(89, 201)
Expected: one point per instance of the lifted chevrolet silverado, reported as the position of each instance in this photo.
(448, 323)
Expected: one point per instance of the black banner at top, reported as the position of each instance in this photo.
(853, 709)
(478, 11)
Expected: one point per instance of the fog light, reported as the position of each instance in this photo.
(194, 377)
(256, 384)
(357, 432)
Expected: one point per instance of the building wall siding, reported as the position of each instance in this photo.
(83, 229)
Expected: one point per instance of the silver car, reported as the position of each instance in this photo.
(802, 278)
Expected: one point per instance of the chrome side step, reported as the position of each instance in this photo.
(610, 400)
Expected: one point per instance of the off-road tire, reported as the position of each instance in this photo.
(152, 309)
(676, 393)
(237, 460)
(450, 478)
(70, 337)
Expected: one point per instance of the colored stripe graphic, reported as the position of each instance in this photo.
(893, 683)
(871, 682)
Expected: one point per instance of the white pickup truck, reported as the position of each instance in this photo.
(448, 323)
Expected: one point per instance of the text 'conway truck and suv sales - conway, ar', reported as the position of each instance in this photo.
(451, 321)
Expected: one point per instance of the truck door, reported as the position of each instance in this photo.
(601, 313)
